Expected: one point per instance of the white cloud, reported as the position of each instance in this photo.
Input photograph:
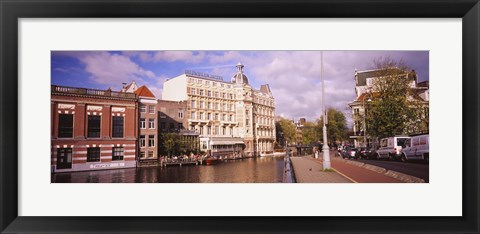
(113, 69)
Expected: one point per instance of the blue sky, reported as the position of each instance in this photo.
(293, 76)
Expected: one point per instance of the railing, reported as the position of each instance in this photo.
(92, 92)
(288, 173)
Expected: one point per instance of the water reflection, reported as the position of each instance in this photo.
(252, 170)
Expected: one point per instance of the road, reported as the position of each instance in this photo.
(417, 169)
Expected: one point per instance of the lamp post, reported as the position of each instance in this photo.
(365, 119)
(325, 148)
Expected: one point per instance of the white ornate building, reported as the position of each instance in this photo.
(232, 118)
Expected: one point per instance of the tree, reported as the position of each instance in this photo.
(285, 130)
(309, 133)
(336, 126)
(393, 107)
(171, 142)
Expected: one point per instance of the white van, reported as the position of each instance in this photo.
(391, 147)
(417, 148)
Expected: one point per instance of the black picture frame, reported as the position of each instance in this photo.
(11, 11)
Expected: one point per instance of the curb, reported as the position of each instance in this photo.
(390, 173)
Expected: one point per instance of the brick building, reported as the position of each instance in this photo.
(171, 123)
(92, 129)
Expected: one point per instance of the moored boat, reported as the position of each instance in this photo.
(211, 161)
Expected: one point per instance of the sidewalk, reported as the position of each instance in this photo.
(310, 170)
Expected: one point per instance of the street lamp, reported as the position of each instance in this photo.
(325, 149)
(365, 119)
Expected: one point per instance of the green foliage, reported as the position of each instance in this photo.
(336, 126)
(285, 130)
(171, 143)
(310, 133)
(393, 108)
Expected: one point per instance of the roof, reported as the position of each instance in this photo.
(143, 91)
(362, 76)
(265, 89)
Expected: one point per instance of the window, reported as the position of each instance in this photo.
(216, 95)
(224, 95)
(94, 126)
(117, 126)
(231, 117)
(194, 104)
(150, 154)
(142, 123)
(151, 123)
(214, 83)
(142, 154)
(143, 108)
(216, 116)
(193, 91)
(231, 107)
(209, 93)
(201, 115)
(151, 109)
(225, 107)
(65, 125)
(221, 85)
(201, 92)
(151, 141)
(194, 116)
(199, 81)
(209, 116)
(224, 117)
(224, 131)
(142, 141)
(64, 158)
(231, 96)
(231, 131)
(209, 130)
(117, 153)
(180, 113)
(217, 132)
(217, 105)
(210, 105)
(247, 122)
(207, 83)
(180, 125)
(202, 104)
(93, 154)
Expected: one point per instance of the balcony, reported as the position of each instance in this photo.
(91, 92)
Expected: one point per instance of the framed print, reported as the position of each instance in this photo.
(208, 116)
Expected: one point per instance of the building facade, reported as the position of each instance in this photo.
(172, 122)
(147, 124)
(365, 92)
(231, 117)
(92, 129)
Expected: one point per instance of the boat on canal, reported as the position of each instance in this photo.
(211, 161)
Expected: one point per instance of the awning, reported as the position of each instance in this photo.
(227, 142)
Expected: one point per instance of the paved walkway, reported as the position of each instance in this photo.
(310, 170)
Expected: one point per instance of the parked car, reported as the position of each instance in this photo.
(416, 148)
(365, 153)
(391, 147)
(350, 153)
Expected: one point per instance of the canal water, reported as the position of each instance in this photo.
(251, 170)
